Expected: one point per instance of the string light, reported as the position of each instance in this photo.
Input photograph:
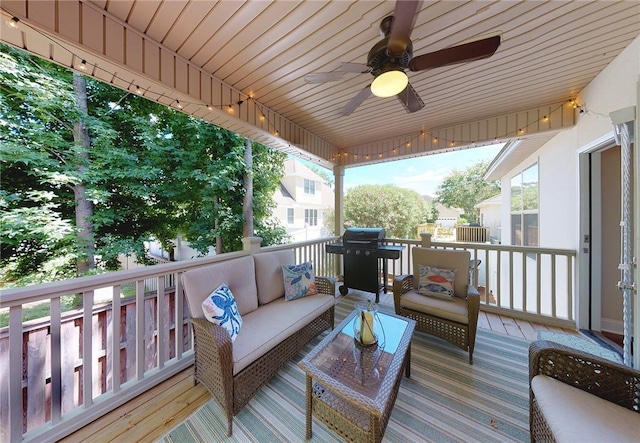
(13, 22)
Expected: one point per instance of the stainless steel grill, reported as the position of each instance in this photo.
(365, 255)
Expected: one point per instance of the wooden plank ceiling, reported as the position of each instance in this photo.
(263, 49)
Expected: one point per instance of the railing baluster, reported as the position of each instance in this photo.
(140, 329)
(15, 374)
(87, 349)
(499, 278)
(115, 339)
(160, 324)
(179, 312)
(539, 283)
(553, 285)
(56, 361)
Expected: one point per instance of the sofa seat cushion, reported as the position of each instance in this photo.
(272, 323)
(574, 415)
(454, 309)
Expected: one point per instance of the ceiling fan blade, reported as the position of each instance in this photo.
(356, 101)
(404, 17)
(356, 68)
(321, 77)
(466, 52)
(410, 99)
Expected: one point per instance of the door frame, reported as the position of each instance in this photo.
(588, 309)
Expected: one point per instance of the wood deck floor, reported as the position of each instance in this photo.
(154, 413)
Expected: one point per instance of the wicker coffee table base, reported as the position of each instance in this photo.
(347, 418)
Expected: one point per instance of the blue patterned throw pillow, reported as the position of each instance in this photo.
(221, 309)
(436, 282)
(299, 281)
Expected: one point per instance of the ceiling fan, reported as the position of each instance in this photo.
(388, 59)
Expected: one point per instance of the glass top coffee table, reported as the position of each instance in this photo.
(351, 388)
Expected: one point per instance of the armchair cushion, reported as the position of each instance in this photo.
(455, 309)
(575, 415)
(436, 282)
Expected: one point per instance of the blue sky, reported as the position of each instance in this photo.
(422, 174)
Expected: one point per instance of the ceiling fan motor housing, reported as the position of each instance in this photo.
(379, 61)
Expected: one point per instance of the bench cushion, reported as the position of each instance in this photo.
(454, 309)
(266, 327)
(574, 415)
(239, 276)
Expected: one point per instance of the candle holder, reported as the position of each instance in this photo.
(367, 326)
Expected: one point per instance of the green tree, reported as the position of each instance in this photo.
(146, 170)
(464, 189)
(397, 210)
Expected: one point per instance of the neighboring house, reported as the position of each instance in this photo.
(567, 193)
(447, 217)
(490, 213)
(302, 199)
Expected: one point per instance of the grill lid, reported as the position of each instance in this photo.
(365, 237)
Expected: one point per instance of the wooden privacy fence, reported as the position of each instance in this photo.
(472, 234)
(36, 353)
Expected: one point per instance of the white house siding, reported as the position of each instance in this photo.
(559, 213)
(299, 201)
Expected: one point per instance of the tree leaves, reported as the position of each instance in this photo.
(464, 189)
(398, 210)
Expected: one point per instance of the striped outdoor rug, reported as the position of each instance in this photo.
(445, 400)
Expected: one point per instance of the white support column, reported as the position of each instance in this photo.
(338, 175)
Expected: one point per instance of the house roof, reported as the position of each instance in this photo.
(251, 57)
(491, 201)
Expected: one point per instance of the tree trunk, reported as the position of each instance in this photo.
(247, 203)
(84, 207)
(216, 224)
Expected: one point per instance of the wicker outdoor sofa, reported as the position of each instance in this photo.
(273, 330)
(579, 397)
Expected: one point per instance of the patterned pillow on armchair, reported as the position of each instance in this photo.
(436, 282)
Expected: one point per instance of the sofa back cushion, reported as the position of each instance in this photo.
(445, 259)
(238, 274)
(269, 278)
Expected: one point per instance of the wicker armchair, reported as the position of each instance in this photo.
(603, 378)
(455, 321)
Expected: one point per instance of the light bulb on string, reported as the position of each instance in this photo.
(13, 22)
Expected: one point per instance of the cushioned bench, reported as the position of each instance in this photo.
(272, 331)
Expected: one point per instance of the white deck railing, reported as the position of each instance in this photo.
(73, 367)
(536, 284)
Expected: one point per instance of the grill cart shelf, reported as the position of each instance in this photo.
(362, 250)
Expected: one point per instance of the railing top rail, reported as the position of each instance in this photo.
(45, 291)
(487, 246)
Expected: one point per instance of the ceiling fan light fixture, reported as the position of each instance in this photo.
(389, 83)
